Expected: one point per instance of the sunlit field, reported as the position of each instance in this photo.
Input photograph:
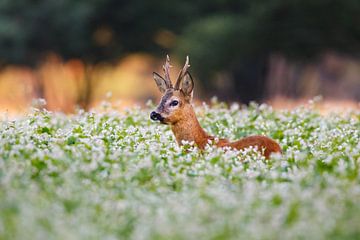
(108, 174)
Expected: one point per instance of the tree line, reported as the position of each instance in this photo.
(231, 40)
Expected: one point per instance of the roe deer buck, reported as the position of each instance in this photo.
(176, 110)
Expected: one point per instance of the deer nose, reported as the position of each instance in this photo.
(155, 116)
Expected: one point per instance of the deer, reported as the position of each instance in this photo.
(175, 109)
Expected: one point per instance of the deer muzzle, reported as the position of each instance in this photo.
(156, 116)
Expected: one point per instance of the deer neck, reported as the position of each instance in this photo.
(188, 129)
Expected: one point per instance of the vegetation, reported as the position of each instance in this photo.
(231, 37)
(110, 175)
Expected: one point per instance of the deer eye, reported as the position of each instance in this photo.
(174, 103)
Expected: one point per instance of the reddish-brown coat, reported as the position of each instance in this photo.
(187, 128)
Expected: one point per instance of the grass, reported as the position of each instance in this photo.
(112, 175)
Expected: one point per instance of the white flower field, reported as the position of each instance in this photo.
(118, 175)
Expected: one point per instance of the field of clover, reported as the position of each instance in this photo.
(106, 174)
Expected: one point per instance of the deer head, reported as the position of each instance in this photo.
(175, 100)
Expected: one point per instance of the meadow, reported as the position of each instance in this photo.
(106, 174)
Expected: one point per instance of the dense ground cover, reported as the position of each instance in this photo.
(112, 175)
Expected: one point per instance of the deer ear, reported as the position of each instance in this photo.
(160, 82)
(187, 84)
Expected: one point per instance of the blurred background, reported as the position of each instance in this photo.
(72, 52)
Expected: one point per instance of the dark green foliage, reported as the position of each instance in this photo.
(227, 30)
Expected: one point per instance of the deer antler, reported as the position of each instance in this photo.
(166, 68)
(182, 73)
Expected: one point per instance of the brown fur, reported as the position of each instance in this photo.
(188, 128)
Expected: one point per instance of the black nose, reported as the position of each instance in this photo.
(155, 116)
